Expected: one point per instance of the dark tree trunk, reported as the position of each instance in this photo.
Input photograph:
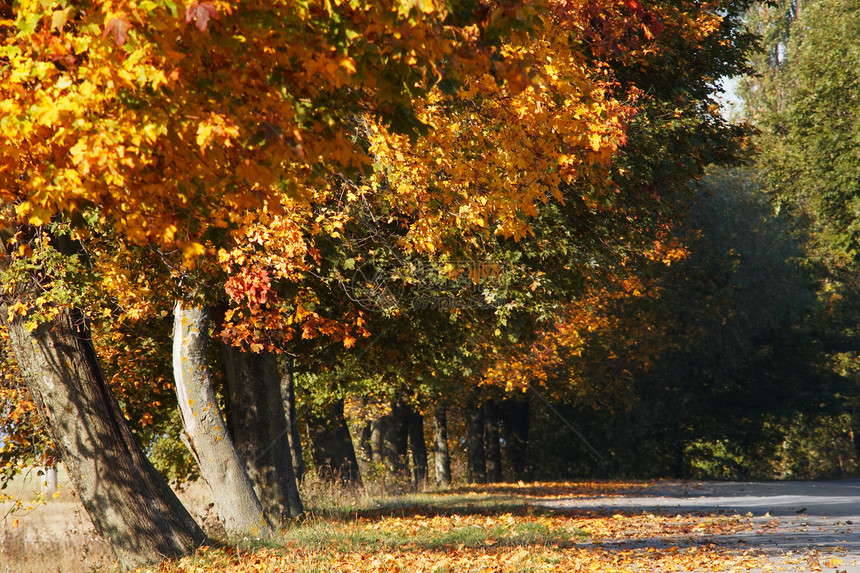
(515, 422)
(365, 441)
(418, 449)
(390, 439)
(376, 440)
(206, 433)
(492, 443)
(440, 446)
(476, 456)
(396, 440)
(130, 504)
(258, 424)
(288, 393)
(331, 446)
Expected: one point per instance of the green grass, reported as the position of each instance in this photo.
(347, 536)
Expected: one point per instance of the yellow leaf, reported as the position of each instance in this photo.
(191, 250)
(426, 6)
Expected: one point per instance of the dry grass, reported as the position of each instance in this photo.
(57, 536)
(54, 536)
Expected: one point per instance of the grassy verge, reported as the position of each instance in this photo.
(476, 529)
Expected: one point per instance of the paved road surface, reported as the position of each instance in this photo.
(815, 518)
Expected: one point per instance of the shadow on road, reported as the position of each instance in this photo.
(787, 518)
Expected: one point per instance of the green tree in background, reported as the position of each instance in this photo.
(804, 101)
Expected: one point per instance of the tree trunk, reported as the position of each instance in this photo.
(365, 441)
(477, 459)
(492, 443)
(49, 485)
(418, 449)
(288, 393)
(394, 428)
(440, 446)
(331, 446)
(206, 433)
(130, 504)
(515, 419)
(258, 424)
(376, 441)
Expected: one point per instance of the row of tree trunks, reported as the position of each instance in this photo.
(129, 502)
(485, 426)
(395, 439)
(389, 438)
(250, 467)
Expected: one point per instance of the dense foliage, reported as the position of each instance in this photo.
(533, 211)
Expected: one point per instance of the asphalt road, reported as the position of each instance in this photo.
(813, 519)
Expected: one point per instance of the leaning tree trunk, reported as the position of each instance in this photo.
(206, 433)
(288, 394)
(258, 424)
(492, 443)
(130, 504)
(476, 456)
(440, 446)
(418, 449)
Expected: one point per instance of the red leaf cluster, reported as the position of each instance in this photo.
(252, 285)
(200, 14)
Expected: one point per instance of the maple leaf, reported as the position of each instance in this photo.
(200, 14)
(117, 27)
(59, 18)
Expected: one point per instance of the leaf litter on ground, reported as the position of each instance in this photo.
(495, 529)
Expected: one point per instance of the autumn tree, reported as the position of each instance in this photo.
(136, 118)
(135, 114)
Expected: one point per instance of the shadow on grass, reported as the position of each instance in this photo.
(486, 500)
(368, 526)
(323, 535)
(560, 489)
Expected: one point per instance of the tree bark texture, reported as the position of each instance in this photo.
(440, 446)
(205, 430)
(418, 449)
(492, 442)
(129, 502)
(258, 423)
(331, 446)
(475, 454)
(288, 394)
